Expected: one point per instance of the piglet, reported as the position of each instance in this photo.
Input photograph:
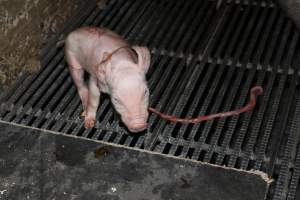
(115, 68)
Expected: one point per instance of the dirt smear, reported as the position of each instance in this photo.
(25, 27)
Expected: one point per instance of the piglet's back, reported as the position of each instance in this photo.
(88, 44)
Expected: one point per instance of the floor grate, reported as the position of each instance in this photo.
(205, 59)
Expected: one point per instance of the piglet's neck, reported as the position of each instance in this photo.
(125, 54)
(124, 71)
(126, 66)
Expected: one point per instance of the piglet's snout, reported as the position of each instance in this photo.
(137, 124)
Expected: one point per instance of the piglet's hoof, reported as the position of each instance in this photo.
(89, 122)
(82, 114)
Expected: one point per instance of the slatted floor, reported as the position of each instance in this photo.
(205, 59)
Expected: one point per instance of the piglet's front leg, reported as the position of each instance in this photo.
(77, 74)
(93, 103)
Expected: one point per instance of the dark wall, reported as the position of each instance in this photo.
(292, 8)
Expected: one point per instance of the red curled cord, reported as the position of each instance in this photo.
(255, 91)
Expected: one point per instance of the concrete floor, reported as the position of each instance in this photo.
(35, 164)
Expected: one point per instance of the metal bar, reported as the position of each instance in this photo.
(179, 25)
(192, 107)
(192, 33)
(256, 127)
(295, 180)
(59, 83)
(170, 87)
(270, 122)
(29, 92)
(208, 80)
(186, 75)
(258, 55)
(281, 49)
(246, 121)
(283, 177)
(164, 28)
(146, 23)
(61, 91)
(271, 48)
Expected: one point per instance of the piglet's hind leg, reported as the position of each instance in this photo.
(77, 74)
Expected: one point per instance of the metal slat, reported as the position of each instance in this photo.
(22, 93)
(294, 186)
(197, 37)
(60, 101)
(279, 54)
(55, 115)
(179, 25)
(200, 93)
(164, 27)
(234, 29)
(246, 122)
(21, 101)
(168, 81)
(157, 22)
(270, 48)
(131, 21)
(212, 85)
(216, 135)
(231, 122)
(256, 127)
(148, 26)
(192, 107)
(242, 132)
(291, 53)
(291, 143)
(59, 83)
(270, 122)
(203, 136)
(170, 88)
(263, 18)
(212, 29)
(258, 54)
(287, 106)
(207, 128)
(42, 94)
(198, 53)
(187, 75)
(107, 12)
(193, 33)
(128, 7)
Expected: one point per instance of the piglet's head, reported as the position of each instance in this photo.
(129, 91)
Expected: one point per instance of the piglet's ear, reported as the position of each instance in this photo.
(104, 66)
(143, 57)
(105, 56)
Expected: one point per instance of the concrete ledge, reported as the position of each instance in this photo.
(37, 164)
